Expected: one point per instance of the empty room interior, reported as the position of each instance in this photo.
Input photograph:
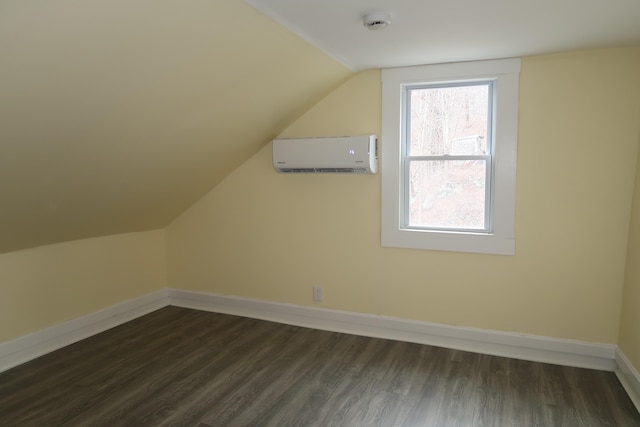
(138, 194)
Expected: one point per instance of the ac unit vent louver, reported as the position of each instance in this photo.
(307, 170)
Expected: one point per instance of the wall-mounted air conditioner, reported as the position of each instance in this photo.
(341, 154)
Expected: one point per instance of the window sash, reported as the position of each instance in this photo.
(488, 193)
(407, 158)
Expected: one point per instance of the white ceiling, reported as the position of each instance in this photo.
(435, 31)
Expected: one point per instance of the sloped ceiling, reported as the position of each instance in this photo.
(115, 116)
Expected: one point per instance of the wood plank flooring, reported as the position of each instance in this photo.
(180, 367)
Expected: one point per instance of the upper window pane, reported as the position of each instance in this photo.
(449, 120)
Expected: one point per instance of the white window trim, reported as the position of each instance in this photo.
(501, 241)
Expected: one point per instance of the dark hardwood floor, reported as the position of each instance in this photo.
(179, 367)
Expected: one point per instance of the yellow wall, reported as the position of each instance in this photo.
(272, 237)
(268, 236)
(47, 285)
(116, 116)
(629, 340)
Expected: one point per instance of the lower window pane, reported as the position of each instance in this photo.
(447, 194)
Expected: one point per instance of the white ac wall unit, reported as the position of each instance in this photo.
(340, 154)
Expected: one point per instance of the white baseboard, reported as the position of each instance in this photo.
(507, 344)
(28, 347)
(629, 377)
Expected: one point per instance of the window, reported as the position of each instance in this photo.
(446, 172)
(449, 135)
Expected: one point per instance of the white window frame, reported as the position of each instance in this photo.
(501, 238)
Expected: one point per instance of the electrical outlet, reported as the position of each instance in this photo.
(317, 293)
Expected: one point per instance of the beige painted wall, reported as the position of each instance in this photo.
(629, 340)
(48, 285)
(262, 235)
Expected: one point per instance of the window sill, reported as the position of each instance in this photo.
(450, 241)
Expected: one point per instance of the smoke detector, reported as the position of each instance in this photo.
(376, 20)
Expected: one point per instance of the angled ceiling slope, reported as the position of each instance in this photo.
(116, 115)
(435, 31)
